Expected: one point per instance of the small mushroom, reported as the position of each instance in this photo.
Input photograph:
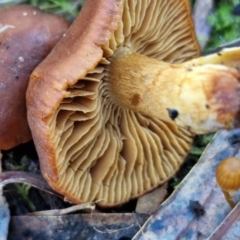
(105, 105)
(228, 177)
(27, 35)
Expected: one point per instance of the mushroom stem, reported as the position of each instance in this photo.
(229, 199)
(200, 98)
(227, 56)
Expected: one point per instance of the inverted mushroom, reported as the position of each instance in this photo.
(104, 106)
(27, 35)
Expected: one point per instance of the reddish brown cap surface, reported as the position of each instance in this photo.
(27, 35)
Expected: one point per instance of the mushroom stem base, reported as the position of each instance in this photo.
(229, 199)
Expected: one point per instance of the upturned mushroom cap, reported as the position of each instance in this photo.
(94, 143)
(228, 174)
(27, 35)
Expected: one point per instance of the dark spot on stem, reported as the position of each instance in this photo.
(173, 113)
(136, 99)
(207, 106)
(219, 54)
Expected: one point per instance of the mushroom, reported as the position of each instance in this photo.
(27, 35)
(228, 177)
(105, 106)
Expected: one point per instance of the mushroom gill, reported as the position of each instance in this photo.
(91, 146)
(111, 153)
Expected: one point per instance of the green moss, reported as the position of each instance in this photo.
(68, 9)
(225, 25)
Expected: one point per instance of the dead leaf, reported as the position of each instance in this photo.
(229, 228)
(32, 179)
(76, 226)
(175, 219)
(202, 9)
(150, 202)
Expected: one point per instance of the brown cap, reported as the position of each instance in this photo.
(228, 174)
(92, 145)
(27, 35)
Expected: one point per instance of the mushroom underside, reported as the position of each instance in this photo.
(102, 151)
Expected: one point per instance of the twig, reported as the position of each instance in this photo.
(58, 212)
(31, 179)
(235, 43)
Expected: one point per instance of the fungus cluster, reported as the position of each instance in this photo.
(114, 107)
(27, 35)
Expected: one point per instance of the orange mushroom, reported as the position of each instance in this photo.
(105, 105)
(27, 35)
(228, 177)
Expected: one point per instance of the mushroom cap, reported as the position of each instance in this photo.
(89, 147)
(27, 35)
(228, 174)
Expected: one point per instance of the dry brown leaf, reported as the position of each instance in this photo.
(150, 202)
